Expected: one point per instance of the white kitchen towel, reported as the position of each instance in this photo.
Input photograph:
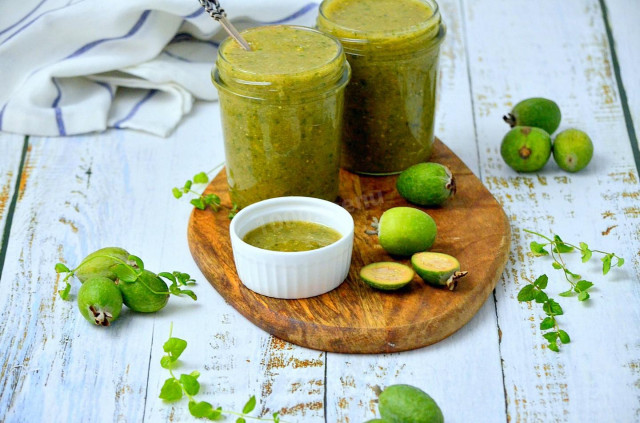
(75, 66)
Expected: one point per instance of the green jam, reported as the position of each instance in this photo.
(392, 47)
(292, 235)
(282, 110)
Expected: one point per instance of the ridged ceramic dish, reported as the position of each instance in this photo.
(290, 275)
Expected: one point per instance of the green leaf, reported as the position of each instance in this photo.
(550, 336)
(564, 336)
(250, 405)
(201, 178)
(195, 374)
(538, 249)
(125, 273)
(606, 263)
(573, 275)
(175, 347)
(198, 203)
(541, 282)
(138, 261)
(568, 293)
(527, 293)
(276, 417)
(620, 261)
(187, 186)
(190, 384)
(61, 268)
(541, 297)
(64, 293)
(552, 308)
(171, 390)
(202, 409)
(583, 296)
(176, 193)
(189, 293)
(554, 347)
(583, 285)
(167, 362)
(211, 199)
(547, 323)
(556, 265)
(168, 276)
(560, 246)
(586, 255)
(241, 420)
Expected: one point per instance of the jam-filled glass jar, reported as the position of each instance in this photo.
(282, 112)
(393, 48)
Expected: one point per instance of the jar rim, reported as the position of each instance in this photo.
(366, 37)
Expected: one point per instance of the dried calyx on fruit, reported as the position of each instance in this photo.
(438, 269)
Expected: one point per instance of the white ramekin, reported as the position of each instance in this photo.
(292, 275)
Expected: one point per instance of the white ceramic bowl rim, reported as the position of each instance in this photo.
(343, 220)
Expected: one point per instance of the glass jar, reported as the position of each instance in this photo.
(282, 111)
(393, 48)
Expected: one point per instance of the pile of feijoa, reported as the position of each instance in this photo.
(111, 278)
(527, 146)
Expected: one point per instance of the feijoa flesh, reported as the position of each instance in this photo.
(526, 149)
(408, 404)
(572, 150)
(147, 294)
(99, 263)
(403, 231)
(537, 112)
(437, 269)
(99, 301)
(387, 275)
(426, 184)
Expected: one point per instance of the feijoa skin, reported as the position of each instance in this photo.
(426, 184)
(403, 231)
(537, 112)
(437, 269)
(572, 150)
(387, 275)
(408, 404)
(99, 263)
(99, 301)
(526, 149)
(147, 294)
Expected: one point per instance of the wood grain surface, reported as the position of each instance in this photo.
(355, 318)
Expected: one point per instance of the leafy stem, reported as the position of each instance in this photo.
(201, 200)
(174, 388)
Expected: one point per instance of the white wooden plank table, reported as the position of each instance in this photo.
(61, 198)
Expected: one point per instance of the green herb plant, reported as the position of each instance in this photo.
(203, 201)
(129, 271)
(535, 291)
(175, 388)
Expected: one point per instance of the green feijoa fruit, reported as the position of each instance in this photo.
(526, 149)
(403, 231)
(408, 404)
(99, 301)
(387, 275)
(377, 421)
(147, 294)
(572, 150)
(426, 184)
(99, 263)
(537, 112)
(437, 269)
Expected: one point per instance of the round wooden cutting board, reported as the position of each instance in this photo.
(355, 318)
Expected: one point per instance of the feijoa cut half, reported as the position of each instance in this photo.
(437, 269)
(387, 275)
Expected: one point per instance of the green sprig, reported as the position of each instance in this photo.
(534, 291)
(174, 388)
(201, 200)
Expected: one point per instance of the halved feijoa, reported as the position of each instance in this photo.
(387, 275)
(437, 268)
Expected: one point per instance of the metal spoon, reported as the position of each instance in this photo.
(213, 8)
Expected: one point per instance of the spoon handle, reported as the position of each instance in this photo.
(213, 8)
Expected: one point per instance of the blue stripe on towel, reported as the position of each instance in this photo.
(181, 37)
(57, 109)
(304, 10)
(106, 86)
(195, 14)
(137, 106)
(92, 44)
(175, 56)
(24, 18)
